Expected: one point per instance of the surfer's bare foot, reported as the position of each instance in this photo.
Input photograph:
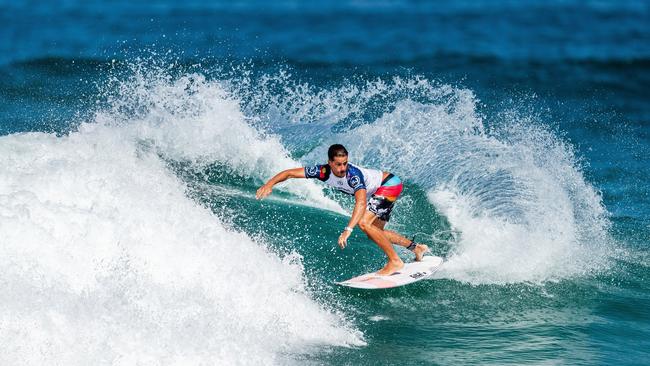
(391, 267)
(419, 251)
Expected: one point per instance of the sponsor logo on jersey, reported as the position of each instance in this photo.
(312, 171)
(355, 181)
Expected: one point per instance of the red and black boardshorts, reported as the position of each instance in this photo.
(382, 201)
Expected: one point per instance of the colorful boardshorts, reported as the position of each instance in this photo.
(382, 201)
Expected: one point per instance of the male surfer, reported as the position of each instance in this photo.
(383, 189)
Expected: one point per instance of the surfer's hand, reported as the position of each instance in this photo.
(263, 191)
(343, 239)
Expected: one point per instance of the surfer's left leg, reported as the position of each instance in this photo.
(381, 205)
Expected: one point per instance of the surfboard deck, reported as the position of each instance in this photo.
(412, 272)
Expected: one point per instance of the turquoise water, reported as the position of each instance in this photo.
(133, 138)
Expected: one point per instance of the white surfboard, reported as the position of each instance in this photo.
(412, 272)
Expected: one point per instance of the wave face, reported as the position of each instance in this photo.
(105, 260)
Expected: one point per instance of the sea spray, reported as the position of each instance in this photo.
(190, 118)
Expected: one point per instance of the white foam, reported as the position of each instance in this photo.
(529, 216)
(378, 318)
(106, 261)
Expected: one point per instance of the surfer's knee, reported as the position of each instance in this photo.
(364, 225)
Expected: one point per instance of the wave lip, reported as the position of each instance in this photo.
(192, 119)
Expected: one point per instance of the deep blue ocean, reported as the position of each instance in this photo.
(133, 136)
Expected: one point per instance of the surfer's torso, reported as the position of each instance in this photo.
(355, 178)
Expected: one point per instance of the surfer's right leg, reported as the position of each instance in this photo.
(398, 239)
(376, 234)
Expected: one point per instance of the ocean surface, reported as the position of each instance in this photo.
(133, 136)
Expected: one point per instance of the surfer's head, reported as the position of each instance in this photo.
(338, 159)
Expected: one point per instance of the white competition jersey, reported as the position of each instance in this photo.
(356, 178)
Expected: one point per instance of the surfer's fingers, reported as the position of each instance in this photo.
(262, 192)
(342, 243)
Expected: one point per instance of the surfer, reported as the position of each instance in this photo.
(383, 188)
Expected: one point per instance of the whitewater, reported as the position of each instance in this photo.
(105, 259)
(108, 257)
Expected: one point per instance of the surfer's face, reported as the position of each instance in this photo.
(339, 165)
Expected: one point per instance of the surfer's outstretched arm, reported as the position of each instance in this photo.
(266, 189)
